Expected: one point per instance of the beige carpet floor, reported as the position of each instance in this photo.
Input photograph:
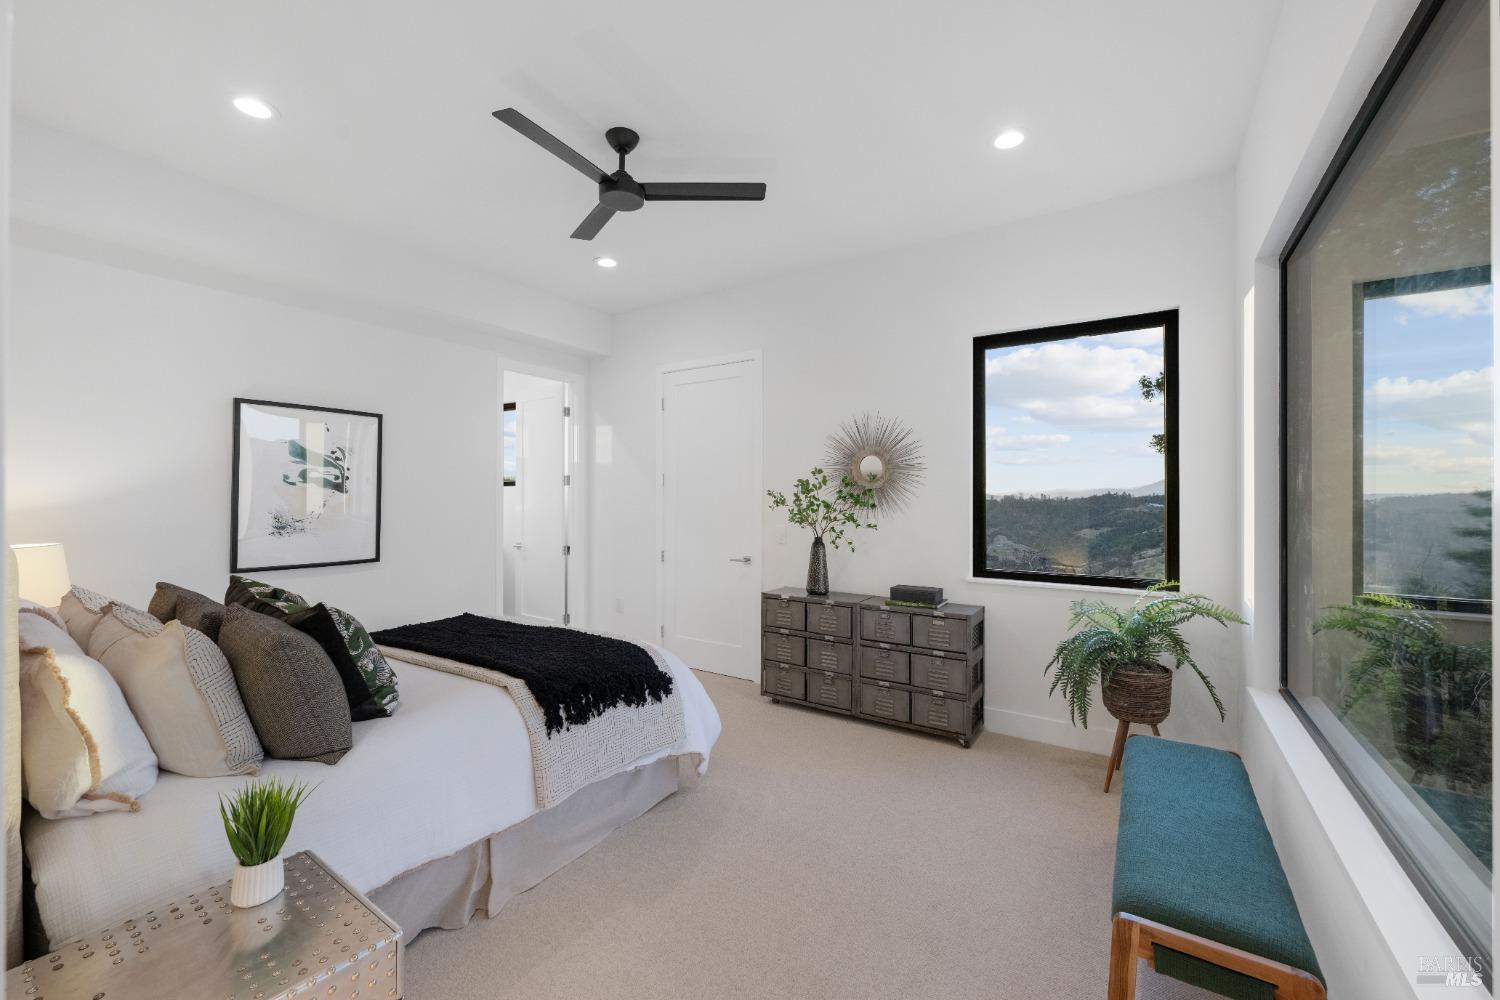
(819, 858)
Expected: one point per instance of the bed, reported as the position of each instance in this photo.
(433, 813)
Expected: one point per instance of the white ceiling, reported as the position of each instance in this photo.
(871, 122)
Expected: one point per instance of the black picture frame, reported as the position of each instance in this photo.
(239, 403)
(1167, 319)
(1470, 942)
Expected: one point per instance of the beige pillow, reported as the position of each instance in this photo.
(81, 609)
(182, 691)
(82, 751)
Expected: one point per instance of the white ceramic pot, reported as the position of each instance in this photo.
(257, 884)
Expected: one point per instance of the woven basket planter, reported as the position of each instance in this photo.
(1140, 696)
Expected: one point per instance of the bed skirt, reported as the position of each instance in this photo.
(489, 873)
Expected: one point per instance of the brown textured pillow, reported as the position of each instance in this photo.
(289, 685)
(174, 603)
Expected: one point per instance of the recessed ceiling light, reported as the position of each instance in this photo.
(254, 107)
(1010, 138)
(606, 261)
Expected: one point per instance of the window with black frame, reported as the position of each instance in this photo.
(1388, 416)
(1075, 465)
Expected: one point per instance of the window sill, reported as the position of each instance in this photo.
(1085, 588)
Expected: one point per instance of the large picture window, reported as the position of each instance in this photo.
(1075, 467)
(1388, 435)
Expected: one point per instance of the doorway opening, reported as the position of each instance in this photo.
(536, 498)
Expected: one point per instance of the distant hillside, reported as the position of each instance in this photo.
(1158, 488)
(1099, 534)
(1414, 545)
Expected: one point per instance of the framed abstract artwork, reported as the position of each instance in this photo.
(306, 486)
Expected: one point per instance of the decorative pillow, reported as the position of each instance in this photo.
(263, 597)
(369, 681)
(174, 603)
(290, 687)
(182, 691)
(81, 610)
(33, 608)
(82, 751)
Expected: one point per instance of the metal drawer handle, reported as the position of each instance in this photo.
(741, 559)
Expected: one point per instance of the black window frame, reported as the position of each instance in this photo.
(1167, 320)
(1385, 83)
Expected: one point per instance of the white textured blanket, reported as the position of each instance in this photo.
(577, 755)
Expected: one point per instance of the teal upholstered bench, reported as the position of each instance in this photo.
(1199, 891)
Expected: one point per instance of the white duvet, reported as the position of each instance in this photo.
(451, 766)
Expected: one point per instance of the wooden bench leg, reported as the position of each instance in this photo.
(1117, 755)
(1123, 944)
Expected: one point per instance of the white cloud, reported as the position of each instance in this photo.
(1400, 468)
(1096, 412)
(1451, 303)
(1065, 368)
(1462, 402)
(997, 438)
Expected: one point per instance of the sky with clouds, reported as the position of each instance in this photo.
(1068, 415)
(1429, 391)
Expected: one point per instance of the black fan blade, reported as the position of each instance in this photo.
(712, 191)
(551, 144)
(593, 222)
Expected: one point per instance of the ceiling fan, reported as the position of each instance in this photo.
(619, 192)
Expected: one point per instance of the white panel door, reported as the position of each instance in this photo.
(540, 564)
(710, 572)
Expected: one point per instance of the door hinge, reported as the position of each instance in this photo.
(664, 404)
(663, 555)
(567, 618)
(567, 411)
(662, 631)
(664, 480)
(567, 550)
(567, 480)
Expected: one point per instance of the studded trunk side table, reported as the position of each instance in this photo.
(319, 938)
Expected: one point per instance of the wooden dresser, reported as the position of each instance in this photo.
(914, 668)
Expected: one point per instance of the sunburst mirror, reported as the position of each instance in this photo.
(881, 454)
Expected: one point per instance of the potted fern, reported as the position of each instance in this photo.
(257, 820)
(1122, 651)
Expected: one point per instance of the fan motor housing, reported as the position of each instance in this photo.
(621, 193)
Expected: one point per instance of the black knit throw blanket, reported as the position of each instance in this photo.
(574, 676)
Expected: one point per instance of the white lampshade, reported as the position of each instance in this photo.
(44, 573)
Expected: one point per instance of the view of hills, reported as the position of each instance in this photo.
(1425, 545)
(1090, 533)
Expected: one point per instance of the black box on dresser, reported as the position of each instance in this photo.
(915, 668)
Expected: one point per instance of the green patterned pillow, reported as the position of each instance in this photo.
(369, 681)
(263, 597)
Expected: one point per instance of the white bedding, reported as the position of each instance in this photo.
(451, 766)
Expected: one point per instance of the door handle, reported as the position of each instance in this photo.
(741, 559)
(515, 545)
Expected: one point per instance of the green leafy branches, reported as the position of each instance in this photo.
(826, 511)
(258, 818)
(1141, 636)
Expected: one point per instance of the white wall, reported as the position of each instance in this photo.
(118, 437)
(1366, 920)
(894, 333)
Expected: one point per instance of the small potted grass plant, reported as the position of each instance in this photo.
(257, 820)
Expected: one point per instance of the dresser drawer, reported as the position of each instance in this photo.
(828, 688)
(949, 714)
(784, 648)
(830, 619)
(880, 702)
(783, 682)
(940, 633)
(884, 664)
(825, 655)
(878, 625)
(943, 673)
(783, 614)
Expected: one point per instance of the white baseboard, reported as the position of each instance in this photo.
(1098, 738)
